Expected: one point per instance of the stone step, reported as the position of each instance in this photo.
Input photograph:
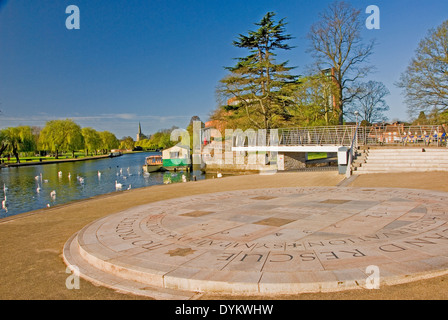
(422, 150)
(410, 155)
(399, 167)
(391, 170)
(73, 256)
(413, 157)
(407, 150)
(407, 161)
(171, 249)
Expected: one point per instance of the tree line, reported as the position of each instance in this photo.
(261, 92)
(56, 137)
(66, 136)
(157, 141)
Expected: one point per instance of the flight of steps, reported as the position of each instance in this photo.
(400, 160)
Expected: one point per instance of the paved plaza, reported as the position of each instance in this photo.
(267, 241)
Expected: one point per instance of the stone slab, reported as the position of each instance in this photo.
(267, 241)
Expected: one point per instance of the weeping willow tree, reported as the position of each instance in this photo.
(18, 139)
(61, 135)
(92, 140)
(108, 141)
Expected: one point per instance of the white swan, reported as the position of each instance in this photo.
(118, 185)
(53, 194)
(5, 204)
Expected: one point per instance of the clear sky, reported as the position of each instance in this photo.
(158, 61)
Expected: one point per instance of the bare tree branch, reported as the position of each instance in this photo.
(336, 43)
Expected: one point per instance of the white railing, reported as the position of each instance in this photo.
(342, 136)
(334, 135)
(351, 152)
(403, 135)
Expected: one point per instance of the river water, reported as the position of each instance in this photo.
(35, 187)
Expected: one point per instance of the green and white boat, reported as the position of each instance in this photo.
(176, 158)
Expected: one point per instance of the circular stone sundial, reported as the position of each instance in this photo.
(268, 241)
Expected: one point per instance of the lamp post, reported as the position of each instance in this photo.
(356, 115)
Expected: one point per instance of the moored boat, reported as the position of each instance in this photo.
(115, 154)
(176, 158)
(153, 163)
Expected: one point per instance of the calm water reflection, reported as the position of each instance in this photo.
(30, 188)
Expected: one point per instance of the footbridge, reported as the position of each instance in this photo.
(291, 145)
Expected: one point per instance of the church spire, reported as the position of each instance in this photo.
(139, 134)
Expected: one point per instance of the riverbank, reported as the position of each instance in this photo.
(53, 161)
(31, 243)
(36, 163)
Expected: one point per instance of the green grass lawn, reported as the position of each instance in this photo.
(317, 155)
(78, 155)
(311, 155)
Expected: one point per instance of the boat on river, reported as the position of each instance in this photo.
(176, 158)
(115, 154)
(153, 163)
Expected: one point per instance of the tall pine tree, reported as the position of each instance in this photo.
(256, 84)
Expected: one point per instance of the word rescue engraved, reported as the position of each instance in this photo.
(226, 309)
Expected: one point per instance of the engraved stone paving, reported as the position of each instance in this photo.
(268, 241)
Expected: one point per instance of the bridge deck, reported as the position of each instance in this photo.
(288, 148)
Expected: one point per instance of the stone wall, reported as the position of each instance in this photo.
(242, 164)
(294, 160)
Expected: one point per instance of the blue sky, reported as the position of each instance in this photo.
(158, 61)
